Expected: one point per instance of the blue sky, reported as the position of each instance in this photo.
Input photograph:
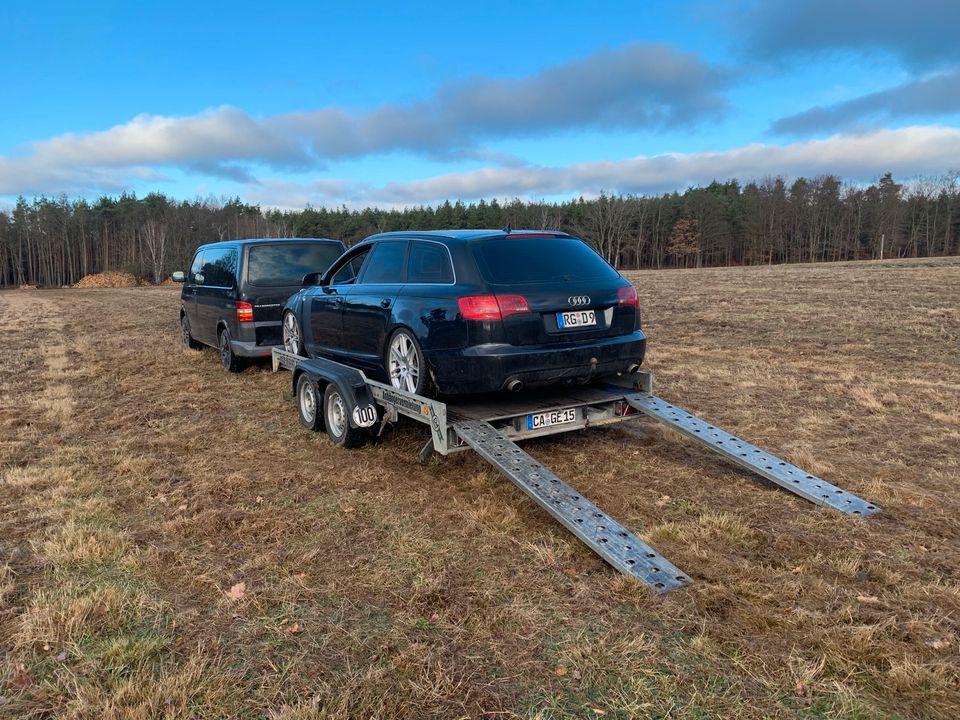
(392, 104)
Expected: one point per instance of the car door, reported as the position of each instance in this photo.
(368, 303)
(188, 296)
(323, 311)
(216, 292)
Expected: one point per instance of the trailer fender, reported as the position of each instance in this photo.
(352, 385)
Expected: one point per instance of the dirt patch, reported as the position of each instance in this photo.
(140, 485)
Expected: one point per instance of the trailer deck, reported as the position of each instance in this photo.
(490, 425)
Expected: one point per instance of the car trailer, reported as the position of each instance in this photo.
(353, 404)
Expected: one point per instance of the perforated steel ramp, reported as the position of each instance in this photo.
(778, 471)
(600, 532)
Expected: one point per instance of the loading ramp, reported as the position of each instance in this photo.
(492, 425)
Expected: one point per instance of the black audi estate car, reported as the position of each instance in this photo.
(460, 312)
(235, 291)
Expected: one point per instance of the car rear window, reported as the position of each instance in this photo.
(505, 261)
(287, 263)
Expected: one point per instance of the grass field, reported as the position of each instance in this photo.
(173, 544)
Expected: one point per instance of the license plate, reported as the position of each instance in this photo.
(553, 417)
(576, 319)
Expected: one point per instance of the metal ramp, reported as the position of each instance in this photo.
(767, 465)
(600, 532)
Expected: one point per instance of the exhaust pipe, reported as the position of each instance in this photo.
(515, 385)
(632, 368)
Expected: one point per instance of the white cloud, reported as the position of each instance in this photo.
(938, 94)
(907, 152)
(636, 86)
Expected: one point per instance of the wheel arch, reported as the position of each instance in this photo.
(320, 382)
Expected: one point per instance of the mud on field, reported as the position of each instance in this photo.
(174, 544)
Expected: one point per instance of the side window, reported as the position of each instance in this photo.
(219, 267)
(196, 277)
(348, 273)
(429, 263)
(385, 264)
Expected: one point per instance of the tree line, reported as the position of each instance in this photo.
(56, 241)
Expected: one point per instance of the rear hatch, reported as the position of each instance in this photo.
(275, 272)
(570, 292)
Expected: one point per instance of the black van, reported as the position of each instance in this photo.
(234, 294)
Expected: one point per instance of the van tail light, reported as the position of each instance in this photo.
(244, 311)
(491, 307)
(628, 296)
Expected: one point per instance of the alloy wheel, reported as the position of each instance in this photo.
(404, 363)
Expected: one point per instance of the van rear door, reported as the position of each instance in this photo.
(275, 272)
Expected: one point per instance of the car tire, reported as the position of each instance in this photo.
(336, 420)
(309, 406)
(185, 336)
(406, 364)
(292, 336)
(228, 359)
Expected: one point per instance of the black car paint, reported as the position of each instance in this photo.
(353, 321)
(211, 308)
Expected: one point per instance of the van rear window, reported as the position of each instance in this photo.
(287, 263)
(505, 261)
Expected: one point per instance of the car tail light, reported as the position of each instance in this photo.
(244, 311)
(512, 304)
(628, 296)
(491, 307)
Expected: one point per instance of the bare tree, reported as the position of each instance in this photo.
(154, 236)
(608, 220)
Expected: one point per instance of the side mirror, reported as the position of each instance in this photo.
(311, 279)
(178, 276)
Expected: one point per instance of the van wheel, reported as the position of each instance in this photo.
(185, 337)
(336, 420)
(406, 366)
(308, 404)
(227, 358)
(292, 337)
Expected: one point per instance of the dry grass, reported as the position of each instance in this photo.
(140, 485)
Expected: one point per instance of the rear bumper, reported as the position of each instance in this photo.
(257, 339)
(490, 367)
(250, 349)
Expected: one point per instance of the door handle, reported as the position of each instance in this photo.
(385, 303)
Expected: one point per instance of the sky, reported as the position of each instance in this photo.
(286, 104)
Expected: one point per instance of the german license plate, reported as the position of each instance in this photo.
(576, 319)
(553, 417)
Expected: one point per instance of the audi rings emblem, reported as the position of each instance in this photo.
(579, 300)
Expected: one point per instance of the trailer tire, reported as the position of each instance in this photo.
(336, 420)
(308, 404)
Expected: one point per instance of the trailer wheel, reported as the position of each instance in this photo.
(308, 404)
(336, 420)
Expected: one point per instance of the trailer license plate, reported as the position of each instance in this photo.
(576, 319)
(554, 417)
